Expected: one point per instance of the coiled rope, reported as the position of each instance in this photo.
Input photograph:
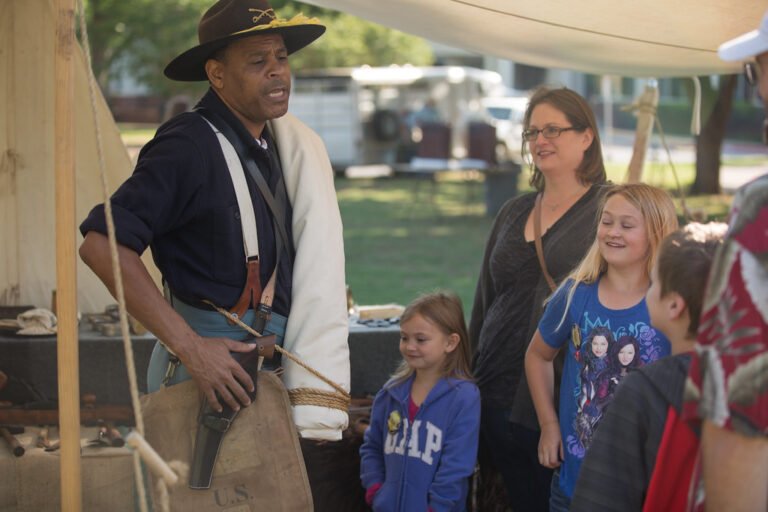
(338, 399)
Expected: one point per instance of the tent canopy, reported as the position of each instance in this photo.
(652, 38)
(28, 256)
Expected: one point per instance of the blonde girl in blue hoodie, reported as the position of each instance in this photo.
(421, 446)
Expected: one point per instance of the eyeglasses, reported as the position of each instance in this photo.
(751, 73)
(765, 132)
(549, 132)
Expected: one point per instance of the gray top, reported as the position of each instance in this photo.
(620, 462)
(510, 295)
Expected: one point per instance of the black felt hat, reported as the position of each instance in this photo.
(230, 20)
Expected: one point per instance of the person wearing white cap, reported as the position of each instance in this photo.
(749, 46)
(752, 48)
(726, 392)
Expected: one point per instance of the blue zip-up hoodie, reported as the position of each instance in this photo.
(427, 463)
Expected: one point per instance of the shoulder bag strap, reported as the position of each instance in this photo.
(537, 241)
(278, 210)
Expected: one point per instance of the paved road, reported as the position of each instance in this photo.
(617, 147)
(732, 177)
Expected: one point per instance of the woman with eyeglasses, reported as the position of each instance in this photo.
(562, 147)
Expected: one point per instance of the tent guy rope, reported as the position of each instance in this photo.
(155, 463)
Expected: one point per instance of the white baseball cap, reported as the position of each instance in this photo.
(747, 45)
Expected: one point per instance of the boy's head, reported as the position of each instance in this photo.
(679, 279)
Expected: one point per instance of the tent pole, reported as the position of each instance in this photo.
(66, 278)
(646, 106)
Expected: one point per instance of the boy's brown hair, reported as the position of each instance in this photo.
(683, 264)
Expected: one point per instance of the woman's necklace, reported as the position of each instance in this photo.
(565, 200)
(551, 207)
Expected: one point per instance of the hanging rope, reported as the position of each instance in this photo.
(168, 475)
(638, 107)
(696, 114)
(120, 293)
(683, 205)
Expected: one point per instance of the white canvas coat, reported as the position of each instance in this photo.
(318, 325)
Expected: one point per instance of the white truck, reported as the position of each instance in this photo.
(367, 115)
(506, 115)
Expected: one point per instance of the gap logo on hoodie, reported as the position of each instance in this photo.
(395, 442)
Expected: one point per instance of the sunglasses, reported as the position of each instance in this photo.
(765, 132)
(751, 73)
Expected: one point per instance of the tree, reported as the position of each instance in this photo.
(140, 37)
(717, 103)
(351, 41)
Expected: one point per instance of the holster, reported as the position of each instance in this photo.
(213, 425)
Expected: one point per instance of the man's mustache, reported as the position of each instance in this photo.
(277, 84)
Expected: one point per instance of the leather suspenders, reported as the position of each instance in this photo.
(213, 424)
(236, 154)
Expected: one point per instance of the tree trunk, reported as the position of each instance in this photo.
(709, 143)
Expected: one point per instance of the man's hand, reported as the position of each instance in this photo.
(209, 362)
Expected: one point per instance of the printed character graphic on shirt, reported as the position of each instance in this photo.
(624, 357)
(593, 390)
(603, 360)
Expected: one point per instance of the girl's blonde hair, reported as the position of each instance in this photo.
(444, 310)
(658, 212)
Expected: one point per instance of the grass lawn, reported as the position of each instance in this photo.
(405, 236)
(135, 134)
(701, 208)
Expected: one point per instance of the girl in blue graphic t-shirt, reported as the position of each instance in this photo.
(602, 301)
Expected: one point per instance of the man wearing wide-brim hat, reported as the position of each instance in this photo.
(193, 199)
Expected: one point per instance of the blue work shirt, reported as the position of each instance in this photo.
(180, 201)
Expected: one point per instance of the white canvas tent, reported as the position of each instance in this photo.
(27, 159)
(653, 38)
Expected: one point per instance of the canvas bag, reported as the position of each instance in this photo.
(260, 464)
